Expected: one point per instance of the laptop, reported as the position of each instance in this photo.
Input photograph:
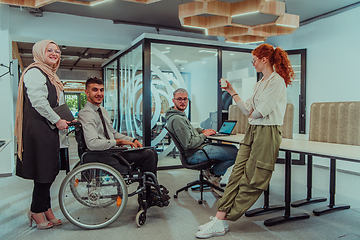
(226, 128)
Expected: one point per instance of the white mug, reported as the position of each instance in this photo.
(223, 82)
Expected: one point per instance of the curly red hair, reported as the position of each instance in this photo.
(278, 58)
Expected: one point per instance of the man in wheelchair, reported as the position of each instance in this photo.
(106, 145)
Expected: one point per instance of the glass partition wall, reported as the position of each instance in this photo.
(145, 76)
(192, 68)
(110, 88)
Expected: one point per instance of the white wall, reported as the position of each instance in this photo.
(203, 89)
(333, 49)
(6, 105)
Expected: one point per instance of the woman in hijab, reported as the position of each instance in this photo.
(38, 129)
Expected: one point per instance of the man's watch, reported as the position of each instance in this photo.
(134, 139)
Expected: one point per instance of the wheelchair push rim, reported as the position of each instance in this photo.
(93, 195)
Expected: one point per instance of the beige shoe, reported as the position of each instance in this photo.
(216, 181)
(207, 174)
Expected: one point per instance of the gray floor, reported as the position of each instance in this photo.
(182, 217)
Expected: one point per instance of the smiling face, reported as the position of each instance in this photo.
(52, 54)
(95, 93)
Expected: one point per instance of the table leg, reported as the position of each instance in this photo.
(266, 208)
(332, 207)
(308, 199)
(287, 216)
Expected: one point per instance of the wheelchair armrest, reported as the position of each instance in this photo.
(112, 152)
(121, 159)
(207, 156)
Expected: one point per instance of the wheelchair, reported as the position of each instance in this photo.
(93, 195)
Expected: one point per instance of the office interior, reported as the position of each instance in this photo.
(329, 46)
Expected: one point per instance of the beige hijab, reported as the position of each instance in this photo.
(39, 61)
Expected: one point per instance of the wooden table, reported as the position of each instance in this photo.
(310, 148)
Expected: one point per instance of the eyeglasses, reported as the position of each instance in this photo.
(253, 61)
(52, 50)
(182, 99)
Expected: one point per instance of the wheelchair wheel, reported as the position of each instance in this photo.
(140, 218)
(93, 195)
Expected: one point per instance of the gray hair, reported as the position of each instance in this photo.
(180, 90)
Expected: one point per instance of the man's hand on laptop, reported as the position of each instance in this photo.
(121, 143)
(208, 132)
(137, 143)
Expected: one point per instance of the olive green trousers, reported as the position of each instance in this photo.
(252, 170)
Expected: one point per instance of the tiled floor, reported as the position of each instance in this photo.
(182, 217)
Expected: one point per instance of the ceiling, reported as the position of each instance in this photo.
(158, 15)
(164, 14)
(73, 58)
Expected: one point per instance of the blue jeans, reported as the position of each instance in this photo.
(226, 153)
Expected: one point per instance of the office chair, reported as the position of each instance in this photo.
(199, 167)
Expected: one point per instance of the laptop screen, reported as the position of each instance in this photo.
(227, 127)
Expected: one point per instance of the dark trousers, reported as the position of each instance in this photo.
(41, 197)
(146, 160)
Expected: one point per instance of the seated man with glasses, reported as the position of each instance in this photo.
(192, 138)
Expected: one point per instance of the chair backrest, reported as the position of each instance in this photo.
(287, 128)
(335, 122)
(178, 145)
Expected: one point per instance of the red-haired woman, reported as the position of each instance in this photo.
(258, 150)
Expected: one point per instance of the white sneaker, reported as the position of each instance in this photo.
(213, 228)
(201, 227)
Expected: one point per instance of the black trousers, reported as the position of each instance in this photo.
(41, 197)
(145, 159)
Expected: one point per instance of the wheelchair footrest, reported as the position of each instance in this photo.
(161, 201)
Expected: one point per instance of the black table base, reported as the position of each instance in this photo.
(287, 216)
(330, 209)
(309, 199)
(282, 219)
(266, 208)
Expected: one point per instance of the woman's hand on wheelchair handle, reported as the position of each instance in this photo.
(62, 124)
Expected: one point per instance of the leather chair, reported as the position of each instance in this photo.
(198, 167)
